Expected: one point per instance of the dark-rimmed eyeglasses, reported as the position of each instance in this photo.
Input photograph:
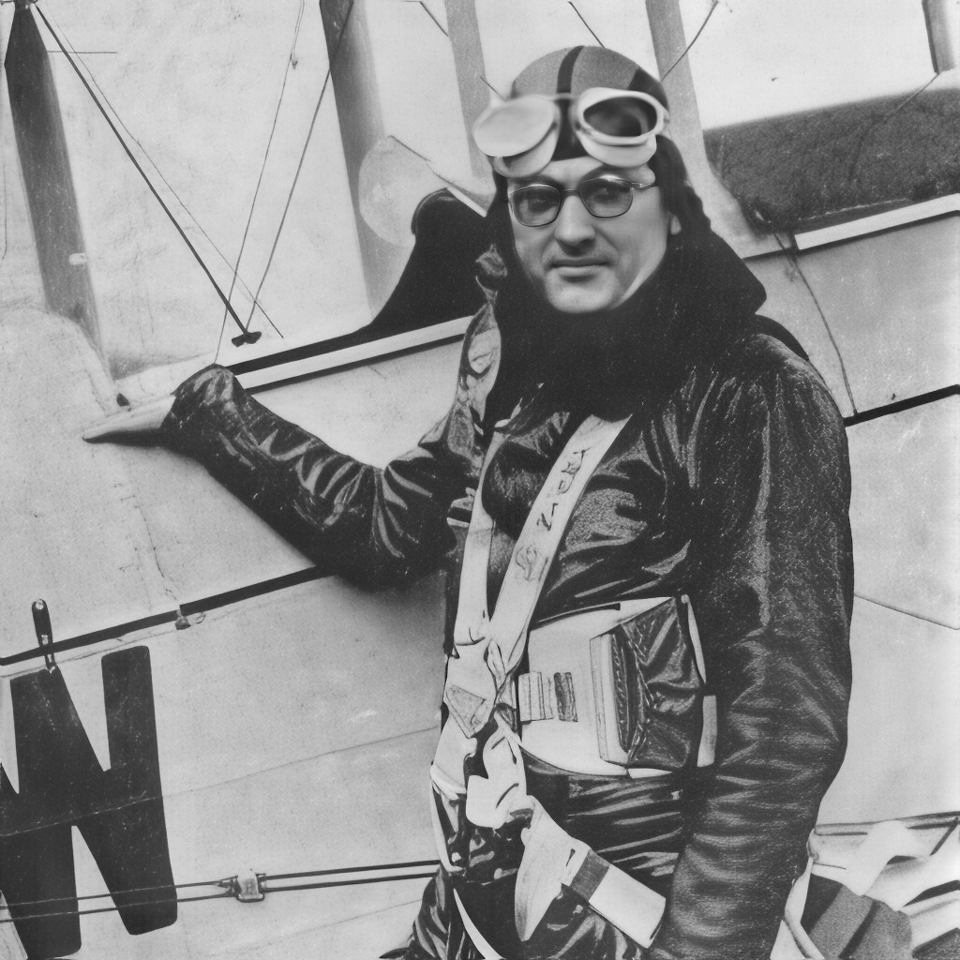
(538, 204)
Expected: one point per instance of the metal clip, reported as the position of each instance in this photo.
(41, 623)
(245, 886)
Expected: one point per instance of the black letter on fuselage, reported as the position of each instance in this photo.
(119, 812)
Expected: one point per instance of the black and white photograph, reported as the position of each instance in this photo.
(480, 480)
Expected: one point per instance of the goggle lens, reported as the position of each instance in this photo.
(616, 127)
(621, 117)
(515, 126)
(538, 204)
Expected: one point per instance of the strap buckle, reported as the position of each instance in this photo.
(543, 696)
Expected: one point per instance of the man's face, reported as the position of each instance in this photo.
(584, 264)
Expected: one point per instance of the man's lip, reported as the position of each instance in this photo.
(583, 262)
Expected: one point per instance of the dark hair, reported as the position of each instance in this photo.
(678, 194)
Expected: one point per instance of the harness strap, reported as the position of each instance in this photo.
(553, 860)
(479, 940)
(488, 649)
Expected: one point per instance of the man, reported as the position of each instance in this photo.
(654, 463)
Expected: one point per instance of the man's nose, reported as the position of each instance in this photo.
(574, 225)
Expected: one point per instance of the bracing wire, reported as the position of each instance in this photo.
(369, 868)
(587, 25)
(441, 28)
(263, 167)
(428, 12)
(696, 37)
(226, 894)
(155, 888)
(909, 99)
(146, 179)
(116, 114)
(879, 122)
(303, 157)
(286, 206)
(326, 884)
(490, 86)
(387, 873)
(907, 613)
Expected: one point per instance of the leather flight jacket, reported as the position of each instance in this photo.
(730, 484)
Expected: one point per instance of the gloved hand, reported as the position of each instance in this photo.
(140, 424)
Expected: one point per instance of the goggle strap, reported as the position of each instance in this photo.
(565, 71)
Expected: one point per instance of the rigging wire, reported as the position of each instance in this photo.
(325, 884)
(440, 27)
(248, 337)
(795, 260)
(303, 157)
(229, 883)
(263, 167)
(587, 25)
(91, 76)
(909, 99)
(117, 893)
(906, 613)
(405, 865)
(113, 908)
(428, 12)
(492, 87)
(879, 122)
(696, 37)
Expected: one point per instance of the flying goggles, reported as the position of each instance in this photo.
(616, 127)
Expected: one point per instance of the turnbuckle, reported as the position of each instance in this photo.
(246, 886)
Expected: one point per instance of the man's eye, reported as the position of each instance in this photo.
(539, 199)
(605, 191)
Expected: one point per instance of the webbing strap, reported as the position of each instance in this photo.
(472, 597)
(489, 648)
(631, 906)
(479, 940)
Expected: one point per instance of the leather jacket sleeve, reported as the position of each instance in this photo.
(376, 526)
(770, 481)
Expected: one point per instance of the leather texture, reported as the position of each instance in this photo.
(729, 484)
(658, 690)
